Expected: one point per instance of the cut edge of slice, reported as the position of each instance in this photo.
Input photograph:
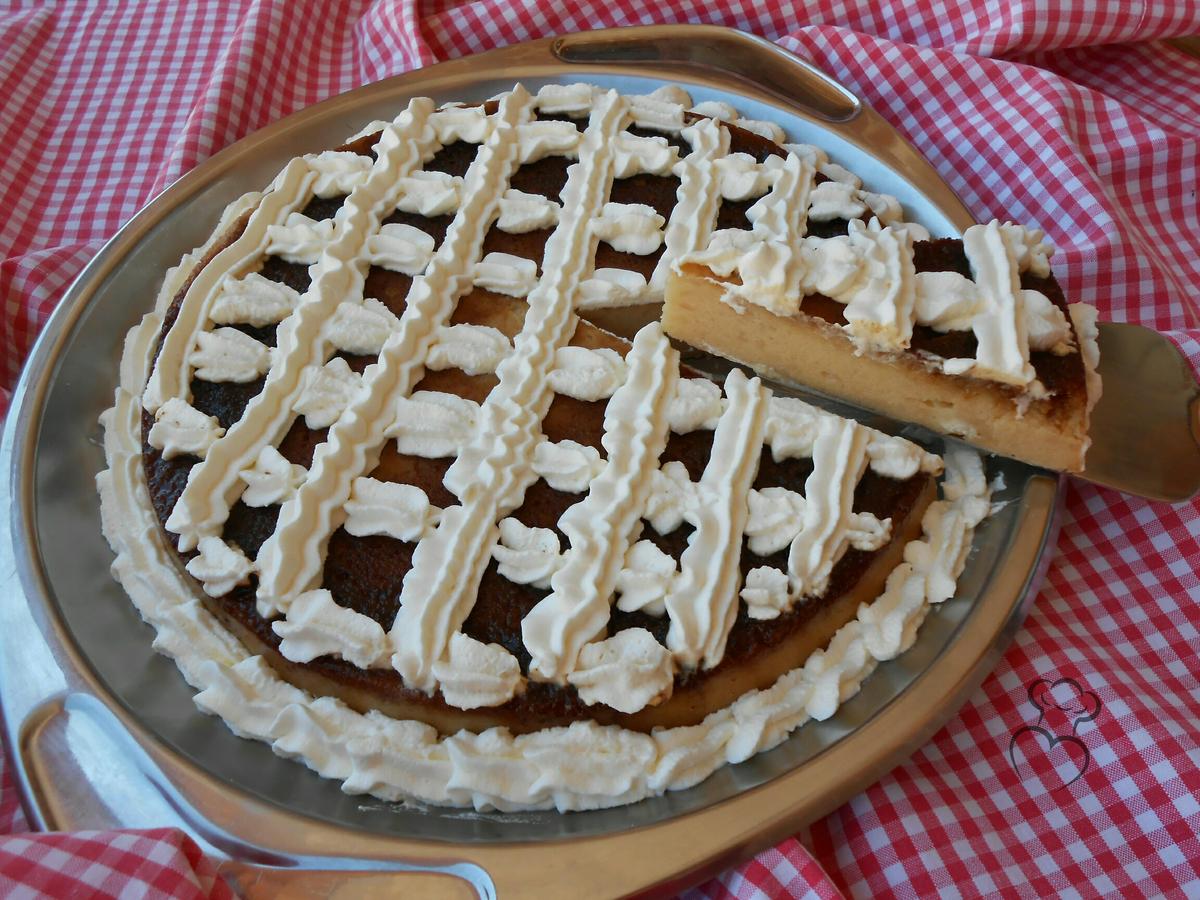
(811, 353)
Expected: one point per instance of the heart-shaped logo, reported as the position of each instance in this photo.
(1053, 761)
(1063, 703)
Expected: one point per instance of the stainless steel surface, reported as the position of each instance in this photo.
(103, 730)
(1147, 423)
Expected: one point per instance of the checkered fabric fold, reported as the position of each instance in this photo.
(158, 863)
(1075, 769)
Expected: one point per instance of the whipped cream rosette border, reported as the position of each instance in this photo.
(393, 759)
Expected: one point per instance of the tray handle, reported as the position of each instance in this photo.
(87, 772)
(766, 66)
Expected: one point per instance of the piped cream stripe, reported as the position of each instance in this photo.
(171, 376)
(1003, 353)
(702, 602)
(600, 526)
(290, 561)
(881, 313)
(839, 460)
(781, 216)
(698, 198)
(492, 473)
(214, 484)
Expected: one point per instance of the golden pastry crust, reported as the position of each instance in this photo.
(812, 352)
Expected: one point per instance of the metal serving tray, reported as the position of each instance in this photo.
(102, 732)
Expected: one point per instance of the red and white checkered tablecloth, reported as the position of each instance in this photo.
(1075, 768)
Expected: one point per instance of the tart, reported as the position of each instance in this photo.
(396, 507)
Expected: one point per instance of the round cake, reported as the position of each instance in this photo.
(415, 488)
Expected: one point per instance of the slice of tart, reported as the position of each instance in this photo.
(969, 337)
(400, 511)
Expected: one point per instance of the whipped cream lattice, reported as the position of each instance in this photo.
(499, 450)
